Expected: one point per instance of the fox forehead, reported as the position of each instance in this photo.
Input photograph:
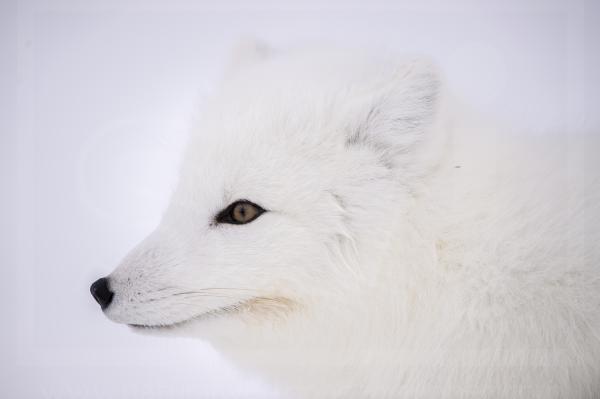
(272, 173)
(269, 175)
(265, 146)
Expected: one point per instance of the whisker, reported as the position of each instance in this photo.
(230, 288)
(210, 292)
(189, 295)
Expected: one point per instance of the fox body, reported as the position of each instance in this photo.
(401, 249)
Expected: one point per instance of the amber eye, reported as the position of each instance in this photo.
(239, 212)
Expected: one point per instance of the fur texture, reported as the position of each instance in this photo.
(407, 251)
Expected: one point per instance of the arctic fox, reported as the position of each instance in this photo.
(341, 229)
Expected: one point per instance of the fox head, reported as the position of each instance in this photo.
(293, 185)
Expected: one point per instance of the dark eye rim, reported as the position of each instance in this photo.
(226, 215)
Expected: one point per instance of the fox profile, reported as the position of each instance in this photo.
(344, 229)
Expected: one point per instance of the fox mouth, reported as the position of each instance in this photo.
(229, 309)
(257, 306)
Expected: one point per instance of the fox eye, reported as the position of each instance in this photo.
(239, 212)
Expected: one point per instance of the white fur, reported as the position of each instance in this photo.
(407, 251)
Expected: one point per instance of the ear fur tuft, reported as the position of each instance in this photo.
(397, 112)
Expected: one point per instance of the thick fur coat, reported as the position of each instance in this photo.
(406, 250)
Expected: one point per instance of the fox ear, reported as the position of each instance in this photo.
(396, 113)
(248, 52)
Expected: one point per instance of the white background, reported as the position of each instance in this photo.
(95, 101)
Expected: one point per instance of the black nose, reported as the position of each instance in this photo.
(101, 293)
